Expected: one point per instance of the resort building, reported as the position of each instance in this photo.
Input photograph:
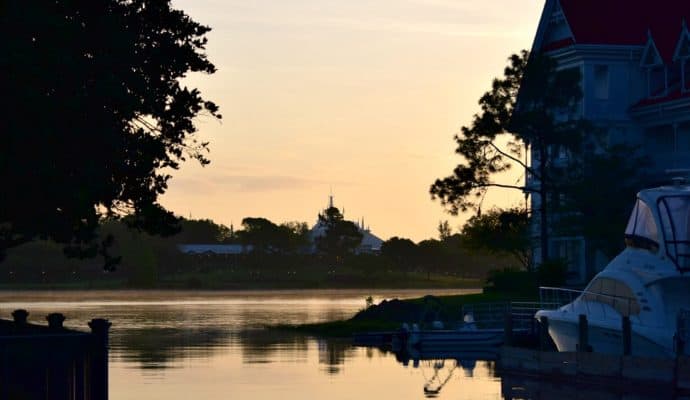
(370, 242)
(634, 59)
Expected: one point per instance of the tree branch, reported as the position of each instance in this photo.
(505, 186)
(515, 159)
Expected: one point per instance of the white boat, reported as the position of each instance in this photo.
(466, 336)
(649, 282)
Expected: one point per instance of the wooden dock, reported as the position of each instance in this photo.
(53, 362)
(596, 369)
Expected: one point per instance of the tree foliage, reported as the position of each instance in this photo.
(340, 236)
(267, 237)
(401, 252)
(501, 231)
(537, 107)
(95, 116)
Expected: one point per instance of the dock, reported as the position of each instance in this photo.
(53, 362)
(596, 369)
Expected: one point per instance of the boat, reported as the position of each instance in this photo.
(468, 335)
(648, 282)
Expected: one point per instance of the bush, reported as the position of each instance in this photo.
(511, 281)
(552, 273)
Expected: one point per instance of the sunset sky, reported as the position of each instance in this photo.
(361, 97)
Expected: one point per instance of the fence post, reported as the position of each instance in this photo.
(627, 336)
(583, 334)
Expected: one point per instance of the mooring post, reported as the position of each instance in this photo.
(583, 334)
(508, 329)
(627, 335)
(99, 358)
(543, 332)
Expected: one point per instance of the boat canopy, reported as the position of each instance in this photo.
(643, 230)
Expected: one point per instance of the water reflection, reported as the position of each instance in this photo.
(333, 353)
(439, 365)
(266, 345)
(215, 347)
(158, 348)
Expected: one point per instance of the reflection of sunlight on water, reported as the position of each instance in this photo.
(215, 348)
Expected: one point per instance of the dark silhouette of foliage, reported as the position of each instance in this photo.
(603, 193)
(537, 106)
(340, 237)
(403, 253)
(501, 231)
(267, 237)
(444, 230)
(201, 231)
(95, 117)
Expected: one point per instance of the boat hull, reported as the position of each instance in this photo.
(457, 338)
(601, 339)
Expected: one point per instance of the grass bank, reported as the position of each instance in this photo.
(388, 315)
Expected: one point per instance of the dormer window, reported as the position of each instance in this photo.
(657, 79)
(601, 82)
(681, 57)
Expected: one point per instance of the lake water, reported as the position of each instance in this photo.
(213, 345)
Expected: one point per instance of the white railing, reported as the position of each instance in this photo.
(608, 306)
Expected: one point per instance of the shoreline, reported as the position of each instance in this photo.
(27, 295)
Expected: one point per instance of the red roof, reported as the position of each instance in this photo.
(626, 22)
(676, 95)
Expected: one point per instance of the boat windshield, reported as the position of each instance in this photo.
(642, 231)
(674, 212)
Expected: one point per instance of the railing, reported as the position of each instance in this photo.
(492, 315)
(552, 298)
(487, 315)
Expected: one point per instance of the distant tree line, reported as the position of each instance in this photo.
(272, 249)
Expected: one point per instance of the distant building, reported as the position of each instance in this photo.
(371, 244)
(634, 60)
(214, 249)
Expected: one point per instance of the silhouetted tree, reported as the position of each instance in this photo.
(201, 231)
(402, 252)
(95, 116)
(547, 121)
(432, 255)
(267, 237)
(501, 231)
(340, 237)
(444, 230)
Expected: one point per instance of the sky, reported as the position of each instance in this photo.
(358, 98)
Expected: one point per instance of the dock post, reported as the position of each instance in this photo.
(627, 336)
(508, 329)
(98, 364)
(583, 334)
(543, 332)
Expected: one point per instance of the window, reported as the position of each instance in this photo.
(675, 217)
(656, 71)
(614, 294)
(572, 251)
(656, 77)
(642, 231)
(601, 82)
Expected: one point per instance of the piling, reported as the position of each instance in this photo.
(55, 321)
(99, 358)
(583, 334)
(627, 335)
